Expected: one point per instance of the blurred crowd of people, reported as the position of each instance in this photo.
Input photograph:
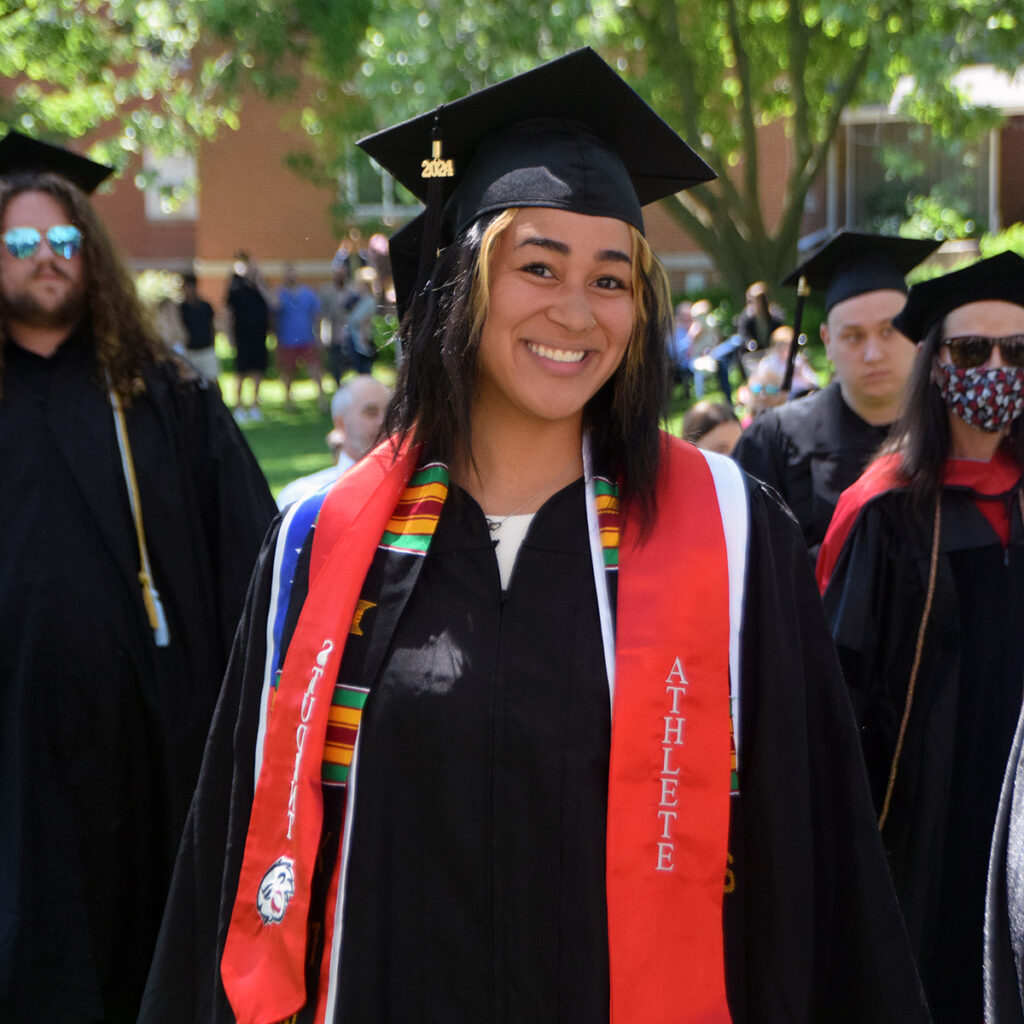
(326, 331)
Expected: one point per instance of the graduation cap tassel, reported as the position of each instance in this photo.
(803, 289)
(155, 611)
(435, 170)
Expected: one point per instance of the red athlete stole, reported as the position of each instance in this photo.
(668, 804)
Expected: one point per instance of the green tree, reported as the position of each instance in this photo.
(159, 73)
(717, 69)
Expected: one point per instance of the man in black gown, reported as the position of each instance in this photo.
(812, 450)
(125, 551)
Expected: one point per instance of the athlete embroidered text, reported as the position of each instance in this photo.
(674, 736)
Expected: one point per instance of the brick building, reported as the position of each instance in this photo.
(249, 199)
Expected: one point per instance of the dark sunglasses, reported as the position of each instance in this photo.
(64, 241)
(975, 351)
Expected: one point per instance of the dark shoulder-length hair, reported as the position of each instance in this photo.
(125, 340)
(921, 435)
(440, 336)
(702, 417)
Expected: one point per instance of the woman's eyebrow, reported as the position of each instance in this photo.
(602, 255)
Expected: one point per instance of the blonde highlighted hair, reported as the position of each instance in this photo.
(440, 335)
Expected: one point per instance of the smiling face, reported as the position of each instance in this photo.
(43, 290)
(559, 317)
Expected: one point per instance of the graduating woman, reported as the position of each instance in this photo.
(924, 569)
(535, 717)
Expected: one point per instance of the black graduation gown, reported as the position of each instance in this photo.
(965, 706)
(102, 733)
(810, 450)
(812, 930)
(1004, 898)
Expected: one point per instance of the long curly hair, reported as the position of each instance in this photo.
(440, 336)
(126, 342)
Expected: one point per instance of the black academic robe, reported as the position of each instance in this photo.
(809, 450)
(965, 706)
(518, 772)
(102, 733)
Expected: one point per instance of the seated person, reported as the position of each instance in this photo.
(712, 426)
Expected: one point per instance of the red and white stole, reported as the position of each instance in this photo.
(669, 784)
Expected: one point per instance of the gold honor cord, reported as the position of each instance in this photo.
(150, 595)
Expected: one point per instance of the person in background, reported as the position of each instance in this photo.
(497, 780)
(712, 426)
(805, 380)
(754, 325)
(337, 297)
(197, 316)
(132, 513)
(923, 577)
(297, 314)
(362, 350)
(357, 411)
(703, 338)
(248, 303)
(764, 390)
(679, 347)
(758, 318)
(811, 450)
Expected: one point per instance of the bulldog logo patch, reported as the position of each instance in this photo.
(277, 887)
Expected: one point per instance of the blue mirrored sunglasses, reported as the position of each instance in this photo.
(768, 389)
(64, 241)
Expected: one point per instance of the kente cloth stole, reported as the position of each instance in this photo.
(671, 755)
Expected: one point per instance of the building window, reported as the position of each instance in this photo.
(889, 163)
(372, 194)
(170, 185)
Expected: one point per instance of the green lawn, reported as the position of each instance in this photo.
(291, 444)
(288, 444)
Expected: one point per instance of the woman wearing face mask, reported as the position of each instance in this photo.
(923, 576)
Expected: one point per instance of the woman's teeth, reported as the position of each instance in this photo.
(558, 355)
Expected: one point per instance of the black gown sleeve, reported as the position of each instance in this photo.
(762, 451)
(238, 506)
(813, 929)
(184, 980)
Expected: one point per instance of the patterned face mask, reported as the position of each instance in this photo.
(989, 398)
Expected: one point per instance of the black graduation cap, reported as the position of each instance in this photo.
(20, 154)
(851, 263)
(999, 277)
(570, 134)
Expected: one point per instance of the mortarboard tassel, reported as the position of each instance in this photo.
(435, 169)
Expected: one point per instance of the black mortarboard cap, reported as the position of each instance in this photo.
(851, 263)
(20, 154)
(999, 277)
(570, 134)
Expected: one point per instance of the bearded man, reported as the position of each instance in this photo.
(131, 513)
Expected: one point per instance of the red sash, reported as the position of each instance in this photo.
(668, 790)
(264, 954)
(668, 803)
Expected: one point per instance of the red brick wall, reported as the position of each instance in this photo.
(145, 243)
(250, 199)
